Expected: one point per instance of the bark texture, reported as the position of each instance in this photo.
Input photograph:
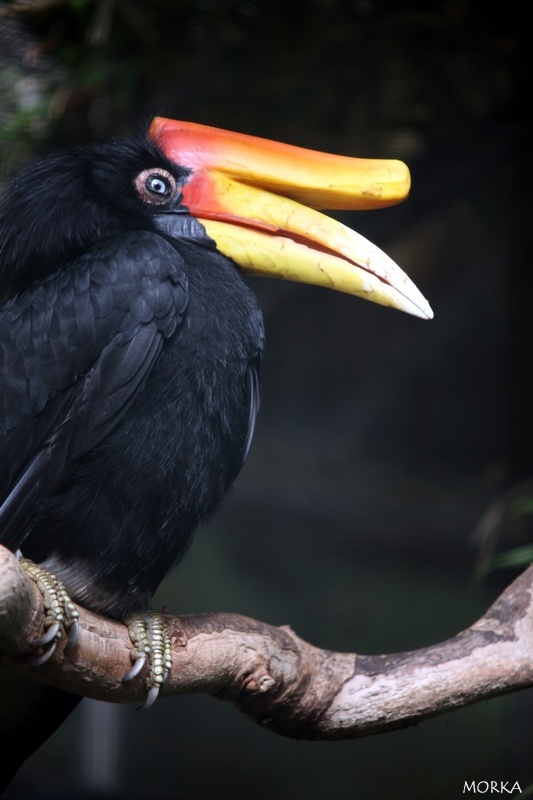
(273, 676)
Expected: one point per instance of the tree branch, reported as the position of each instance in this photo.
(274, 677)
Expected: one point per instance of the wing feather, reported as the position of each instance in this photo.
(75, 349)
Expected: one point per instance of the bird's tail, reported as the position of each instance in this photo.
(30, 712)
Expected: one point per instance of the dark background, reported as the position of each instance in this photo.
(389, 451)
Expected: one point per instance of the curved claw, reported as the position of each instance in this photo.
(45, 656)
(138, 664)
(73, 633)
(50, 634)
(151, 697)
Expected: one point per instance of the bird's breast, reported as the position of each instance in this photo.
(127, 510)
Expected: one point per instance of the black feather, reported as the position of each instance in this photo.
(129, 364)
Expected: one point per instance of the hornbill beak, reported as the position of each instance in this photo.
(258, 201)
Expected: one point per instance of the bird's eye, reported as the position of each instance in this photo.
(155, 186)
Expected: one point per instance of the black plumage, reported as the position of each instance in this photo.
(129, 361)
(130, 353)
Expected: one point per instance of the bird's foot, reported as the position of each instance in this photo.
(151, 641)
(61, 615)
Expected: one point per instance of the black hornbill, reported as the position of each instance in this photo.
(130, 345)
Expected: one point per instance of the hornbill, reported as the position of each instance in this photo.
(130, 347)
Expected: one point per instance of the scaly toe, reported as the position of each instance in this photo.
(61, 615)
(151, 641)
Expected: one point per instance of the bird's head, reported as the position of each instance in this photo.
(56, 208)
(257, 200)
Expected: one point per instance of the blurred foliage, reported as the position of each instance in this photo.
(30, 89)
(504, 533)
(513, 559)
(406, 68)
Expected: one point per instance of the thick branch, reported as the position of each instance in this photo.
(274, 677)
